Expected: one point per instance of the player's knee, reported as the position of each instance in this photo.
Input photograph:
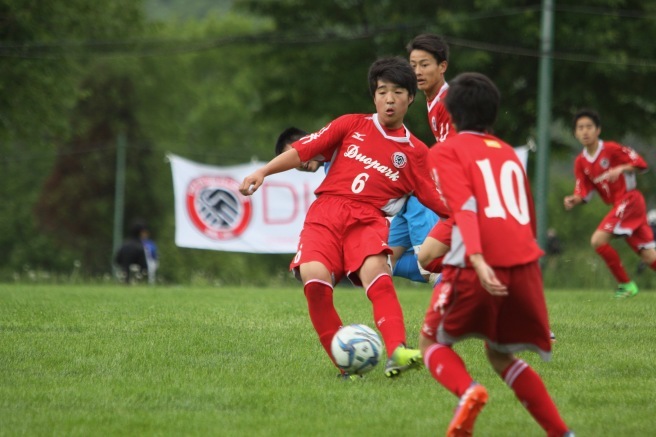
(648, 256)
(499, 360)
(423, 257)
(596, 241)
(425, 343)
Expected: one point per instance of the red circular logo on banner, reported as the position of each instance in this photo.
(216, 207)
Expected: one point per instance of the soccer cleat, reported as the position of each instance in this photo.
(552, 337)
(471, 403)
(629, 289)
(402, 359)
(569, 434)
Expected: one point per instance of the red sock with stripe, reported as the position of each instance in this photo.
(388, 314)
(447, 368)
(613, 262)
(324, 317)
(531, 392)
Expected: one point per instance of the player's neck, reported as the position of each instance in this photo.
(432, 92)
(393, 128)
(592, 147)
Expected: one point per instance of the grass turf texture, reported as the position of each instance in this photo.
(103, 360)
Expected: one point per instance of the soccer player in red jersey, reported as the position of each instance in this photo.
(376, 164)
(429, 57)
(491, 283)
(609, 169)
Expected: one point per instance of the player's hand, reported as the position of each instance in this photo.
(251, 183)
(571, 201)
(488, 278)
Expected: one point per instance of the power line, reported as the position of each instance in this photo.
(572, 57)
(171, 47)
(606, 12)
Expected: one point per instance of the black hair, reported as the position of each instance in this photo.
(431, 43)
(473, 102)
(396, 70)
(590, 113)
(136, 228)
(288, 136)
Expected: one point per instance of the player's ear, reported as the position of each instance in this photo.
(411, 99)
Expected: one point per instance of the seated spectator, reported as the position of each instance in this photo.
(131, 257)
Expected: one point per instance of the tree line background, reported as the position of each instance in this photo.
(215, 81)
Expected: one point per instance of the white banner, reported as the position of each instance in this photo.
(210, 213)
(522, 154)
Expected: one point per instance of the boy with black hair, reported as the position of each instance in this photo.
(609, 169)
(491, 283)
(429, 57)
(376, 164)
(284, 143)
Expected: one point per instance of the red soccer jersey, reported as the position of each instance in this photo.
(591, 172)
(371, 164)
(487, 191)
(438, 117)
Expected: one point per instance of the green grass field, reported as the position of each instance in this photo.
(108, 360)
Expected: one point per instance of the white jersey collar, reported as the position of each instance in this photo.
(381, 129)
(592, 158)
(438, 97)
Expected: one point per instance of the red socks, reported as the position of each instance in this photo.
(613, 262)
(447, 368)
(653, 265)
(387, 312)
(532, 393)
(323, 315)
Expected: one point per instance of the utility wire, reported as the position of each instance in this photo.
(168, 47)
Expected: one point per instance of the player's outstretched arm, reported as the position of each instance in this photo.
(283, 162)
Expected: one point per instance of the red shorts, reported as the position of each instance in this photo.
(341, 233)
(628, 218)
(461, 308)
(442, 231)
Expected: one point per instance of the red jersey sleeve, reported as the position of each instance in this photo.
(321, 145)
(426, 189)
(584, 186)
(626, 155)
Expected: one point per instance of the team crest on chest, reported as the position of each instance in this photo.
(399, 159)
(434, 124)
(604, 163)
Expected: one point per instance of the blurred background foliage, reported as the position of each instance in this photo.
(216, 81)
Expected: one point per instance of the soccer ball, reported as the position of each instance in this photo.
(356, 349)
